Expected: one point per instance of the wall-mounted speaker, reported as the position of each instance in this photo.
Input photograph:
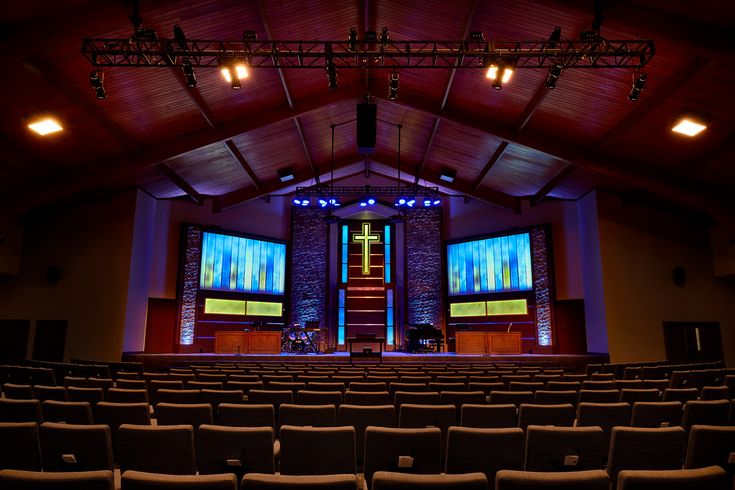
(679, 275)
(367, 126)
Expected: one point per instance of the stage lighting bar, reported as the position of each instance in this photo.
(416, 191)
(382, 53)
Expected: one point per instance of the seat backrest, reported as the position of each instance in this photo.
(682, 395)
(549, 397)
(49, 480)
(564, 448)
(79, 413)
(710, 445)
(139, 480)
(272, 397)
(604, 415)
(160, 449)
(19, 449)
(81, 394)
(389, 480)
(12, 410)
(360, 417)
(639, 448)
(242, 415)
(367, 397)
(317, 450)
(403, 450)
(572, 480)
(459, 398)
(236, 450)
(489, 416)
(311, 397)
(559, 415)
(70, 447)
(194, 414)
(656, 414)
(124, 395)
(258, 481)
(507, 397)
(698, 412)
(710, 478)
(484, 450)
(598, 396)
(632, 395)
(178, 396)
(368, 386)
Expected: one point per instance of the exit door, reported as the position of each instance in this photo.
(693, 342)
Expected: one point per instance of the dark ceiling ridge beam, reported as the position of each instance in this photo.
(579, 157)
(268, 33)
(196, 98)
(241, 196)
(53, 77)
(235, 152)
(181, 183)
(533, 105)
(651, 100)
(705, 158)
(497, 154)
(429, 144)
(117, 168)
(557, 179)
(307, 154)
(453, 72)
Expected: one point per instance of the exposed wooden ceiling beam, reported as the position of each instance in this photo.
(705, 158)
(651, 100)
(269, 35)
(541, 92)
(196, 98)
(453, 71)
(241, 160)
(552, 184)
(490, 163)
(180, 182)
(427, 150)
(53, 77)
(307, 153)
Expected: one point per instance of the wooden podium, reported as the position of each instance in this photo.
(488, 342)
(247, 342)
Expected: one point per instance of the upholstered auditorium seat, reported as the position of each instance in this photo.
(259, 481)
(14, 391)
(131, 384)
(216, 397)
(326, 386)
(307, 415)
(79, 413)
(656, 414)
(178, 396)
(536, 480)
(309, 397)
(697, 412)
(564, 448)
(292, 386)
(387, 480)
(69, 447)
(714, 393)
(77, 381)
(167, 449)
(682, 395)
(367, 397)
(194, 414)
(484, 450)
(244, 386)
(104, 383)
(629, 395)
(711, 445)
(637, 448)
(247, 415)
(559, 415)
(510, 397)
(361, 386)
(547, 397)
(603, 415)
(416, 398)
(486, 387)
(525, 386)
(124, 395)
(598, 396)
(710, 478)
(162, 384)
(317, 450)
(81, 394)
(32, 480)
(404, 450)
(19, 447)
(361, 417)
(459, 398)
(489, 416)
(236, 450)
(12, 410)
(138, 480)
(271, 397)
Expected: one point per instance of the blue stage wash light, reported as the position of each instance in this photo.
(401, 201)
(305, 202)
(371, 201)
(427, 203)
(411, 202)
(437, 201)
(363, 204)
(297, 201)
(323, 202)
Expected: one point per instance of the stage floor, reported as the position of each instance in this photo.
(160, 361)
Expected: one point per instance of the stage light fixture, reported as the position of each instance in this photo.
(45, 125)
(427, 202)
(322, 202)
(285, 174)
(191, 78)
(233, 71)
(367, 201)
(500, 73)
(332, 82)
(334, 202)
(410, 202)
(477, 36)
(555, 37)
(384, 36)
(554, 74)
(249, 36)
(371, 36)
(437, 201)
(639, 82)
(352, 39)
(689, 126)
(180, 38)
(448, 175)
(393, 86)
(97, 80)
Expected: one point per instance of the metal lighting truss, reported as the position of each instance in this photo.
(595, 53)
(360, 191)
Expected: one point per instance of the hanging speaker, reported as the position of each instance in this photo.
(367, 126)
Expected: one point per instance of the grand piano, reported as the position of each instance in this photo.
(423, 337)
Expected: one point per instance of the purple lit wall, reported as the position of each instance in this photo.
(542, 285)
(424, 266)
(190, 283)
(309, 252)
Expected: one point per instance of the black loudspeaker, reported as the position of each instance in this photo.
(367, 126)
(680, 276)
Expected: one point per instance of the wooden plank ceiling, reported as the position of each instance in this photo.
(521, 141)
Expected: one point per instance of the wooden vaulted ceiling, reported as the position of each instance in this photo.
(522, 141)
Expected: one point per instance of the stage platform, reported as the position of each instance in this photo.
(569, 361)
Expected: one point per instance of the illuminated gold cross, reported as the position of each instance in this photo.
(365, 238)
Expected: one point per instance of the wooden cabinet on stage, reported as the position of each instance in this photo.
(247, 342)
(488, 342)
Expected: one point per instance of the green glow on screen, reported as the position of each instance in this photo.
(467, 309)
(507, 307)
(214, 306)
(264, 308)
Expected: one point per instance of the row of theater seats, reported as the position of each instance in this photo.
(209, 449)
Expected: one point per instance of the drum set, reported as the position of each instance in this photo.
(297, 339)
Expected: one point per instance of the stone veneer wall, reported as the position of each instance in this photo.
(309, 254)
(542, 284)
(424, 266)
(190, 283)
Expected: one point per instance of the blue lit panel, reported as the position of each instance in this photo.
(232, 263)
(341, 318)
(490, 265)
(389, 316)
(387, 253)
(345, 242)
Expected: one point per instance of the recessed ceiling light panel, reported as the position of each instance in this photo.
(689, 127)
(45, 126)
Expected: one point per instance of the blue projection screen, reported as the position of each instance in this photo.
(490, 265)
(246, 265)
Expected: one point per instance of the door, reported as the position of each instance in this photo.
(160, 326)
(50, 340)
(692, 342)
(13, 340)
(571, 333)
